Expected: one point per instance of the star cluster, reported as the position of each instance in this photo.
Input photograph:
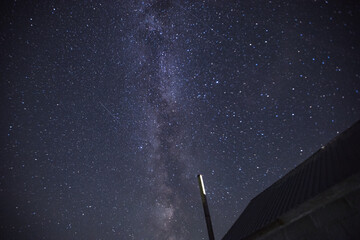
(111, 108)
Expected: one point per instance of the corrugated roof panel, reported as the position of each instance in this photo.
(339, 159)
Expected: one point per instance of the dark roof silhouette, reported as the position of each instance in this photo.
(331, 164)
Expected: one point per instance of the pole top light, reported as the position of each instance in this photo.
(202, 184)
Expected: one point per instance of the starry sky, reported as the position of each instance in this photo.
(109, 109)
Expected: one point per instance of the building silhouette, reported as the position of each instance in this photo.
(319, 199)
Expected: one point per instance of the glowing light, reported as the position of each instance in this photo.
(202, 185)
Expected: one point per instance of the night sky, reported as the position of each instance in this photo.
(109, 109)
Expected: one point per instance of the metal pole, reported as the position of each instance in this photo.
(206, 208)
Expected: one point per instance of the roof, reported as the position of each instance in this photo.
(335, 162)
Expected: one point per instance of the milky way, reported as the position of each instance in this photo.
(110, 109)
(167, 161)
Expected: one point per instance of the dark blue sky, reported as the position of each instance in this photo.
(109, 109)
